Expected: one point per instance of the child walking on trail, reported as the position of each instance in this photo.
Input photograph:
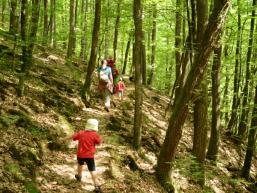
(106, 84)
(87, 140)
(120, 88)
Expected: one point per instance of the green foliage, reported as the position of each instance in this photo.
(31, 187)
(14, 170)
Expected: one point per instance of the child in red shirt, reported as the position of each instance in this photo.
(87, 139)
(120, 87)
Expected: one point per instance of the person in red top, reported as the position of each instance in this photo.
(87, 140)
(120, 88)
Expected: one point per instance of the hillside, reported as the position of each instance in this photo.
(35, 159)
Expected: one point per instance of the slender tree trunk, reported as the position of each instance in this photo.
(3, 12)
(83, 53)
(106, 33)
(226, 93)
(182, 98)
(75, 26)
(126, 54)
(54, 24)
(235, 102)
(85, 93)
(116, 31)
(242, 129)
(151, 77)
(64, 21)
(72, 32)
(28, 43)
(143, 60)
(132, 67)
(251, 145)
(212, 153)
(13, 29)
(45, 31)
(201, 103)
(51, 22)
(178, 36)
(137, 13)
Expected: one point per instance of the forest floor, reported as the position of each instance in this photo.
(35, 159)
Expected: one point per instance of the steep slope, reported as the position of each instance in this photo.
(35, 159)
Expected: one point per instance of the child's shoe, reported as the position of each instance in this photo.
(78, 178)
(98, 189)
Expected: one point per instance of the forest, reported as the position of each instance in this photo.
(187, 121)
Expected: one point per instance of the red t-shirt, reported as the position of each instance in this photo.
(87, 141)
(120, 86)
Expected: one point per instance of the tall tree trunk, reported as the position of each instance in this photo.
(178, 35)
(151, 77)
(64, 21)
(106, 33)
(226, 92)
(45, 31)
(83, 53)
(116, 31)
(242, 129)
(201, 102)
(51, 22)
(75, 26)
(126, 54)
(54, 24)
(251, 141)
(235, 102)
(212, 153)
(137, 14)
(85, 93)
(13, 29)
(28, 43)
(72, 32)
(143, 60)
(182, 98)
(3, 11)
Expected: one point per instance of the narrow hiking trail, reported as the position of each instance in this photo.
(57, 174)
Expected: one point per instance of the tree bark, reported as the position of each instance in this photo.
(106, 33)
(178, 35)
(83, 53)
(3, 12)
(143, 60)
(242, 129)
(235, 101)
(71, 33)
(137, 14)
(153, 40)
(116, 31)
(28, 43)
(126, 54)
(251, 141)
(212, 153)
(45, 31)
(181, 101)
(201, 102)
(85, 93)
(13, 29)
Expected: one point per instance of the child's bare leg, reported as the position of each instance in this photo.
(94, 178)
(80, 169)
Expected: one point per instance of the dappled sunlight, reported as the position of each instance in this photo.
(216, 185)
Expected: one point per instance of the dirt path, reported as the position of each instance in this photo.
(57, 174)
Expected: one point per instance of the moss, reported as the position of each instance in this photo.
(8, 120)
(15, 171)
(31, 187)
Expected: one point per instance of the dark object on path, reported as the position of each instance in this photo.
(78, 178)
